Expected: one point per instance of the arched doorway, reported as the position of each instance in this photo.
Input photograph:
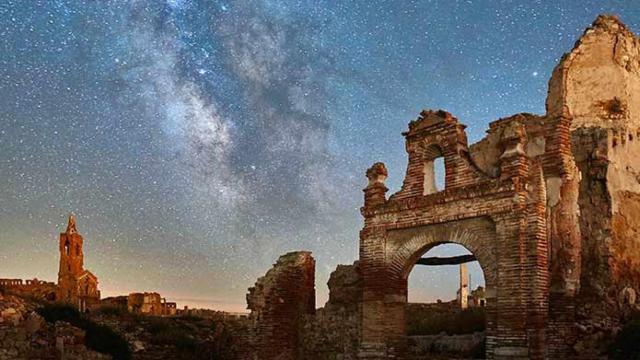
(445, 312)
(499, 215)
(405, 247)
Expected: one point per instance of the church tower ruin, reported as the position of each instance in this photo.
(71, 259)
(75, 284)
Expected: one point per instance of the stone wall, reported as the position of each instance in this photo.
(596, 85)
(333, 331)
(35, 288)
(441, 345)
(285, 323)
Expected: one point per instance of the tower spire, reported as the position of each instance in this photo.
(71, 226)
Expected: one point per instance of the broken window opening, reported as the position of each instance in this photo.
(434, 171)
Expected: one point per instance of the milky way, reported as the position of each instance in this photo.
(198, 140)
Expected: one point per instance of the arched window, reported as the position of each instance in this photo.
(66, 247)
(77, 249)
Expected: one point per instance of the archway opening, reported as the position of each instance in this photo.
(446, 298)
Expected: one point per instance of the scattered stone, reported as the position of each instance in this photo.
(137, 346)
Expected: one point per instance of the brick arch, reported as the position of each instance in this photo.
(501, 220)
(404, 246)
(476, 235)
(433, 150)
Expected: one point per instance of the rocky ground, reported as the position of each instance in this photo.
(177, 337)
(25, 335)
(464, 346)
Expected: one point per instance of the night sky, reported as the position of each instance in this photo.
(196, 141)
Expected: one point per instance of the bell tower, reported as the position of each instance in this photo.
(71, 261)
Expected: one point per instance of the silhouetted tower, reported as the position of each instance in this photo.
(71, 261)
(464, 286)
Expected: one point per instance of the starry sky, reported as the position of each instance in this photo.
(196, 141)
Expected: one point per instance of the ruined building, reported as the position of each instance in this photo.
(34, 288)
(149, 303)
(76, 285)
(548, 204)
(477, 297)
(142, 303)
(145, 303)
(278, 309)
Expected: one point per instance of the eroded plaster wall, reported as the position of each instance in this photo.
(598, 82)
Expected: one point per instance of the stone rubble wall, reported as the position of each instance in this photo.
(284, 321)
(333, 332)
(425, 345)
(34, 288)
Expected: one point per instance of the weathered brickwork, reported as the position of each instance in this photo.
(549, 205)
(76, 285)
(279, 303)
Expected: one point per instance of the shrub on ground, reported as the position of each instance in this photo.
(99, 338)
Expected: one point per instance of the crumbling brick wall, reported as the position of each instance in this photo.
(549, 205)
(561, 192)
(279, 302)
(499, 218)
(596, 86)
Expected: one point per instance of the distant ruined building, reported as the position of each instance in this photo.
(549, 205)
(463, 290)
(76, 286)
(79, 287)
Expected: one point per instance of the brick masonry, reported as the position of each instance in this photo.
(549, 205)
(279, 302)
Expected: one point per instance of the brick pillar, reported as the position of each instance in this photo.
(536, 265)
(562, 179)
(372, 240)
(511, 340)
(510, 337)
(373, 337)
